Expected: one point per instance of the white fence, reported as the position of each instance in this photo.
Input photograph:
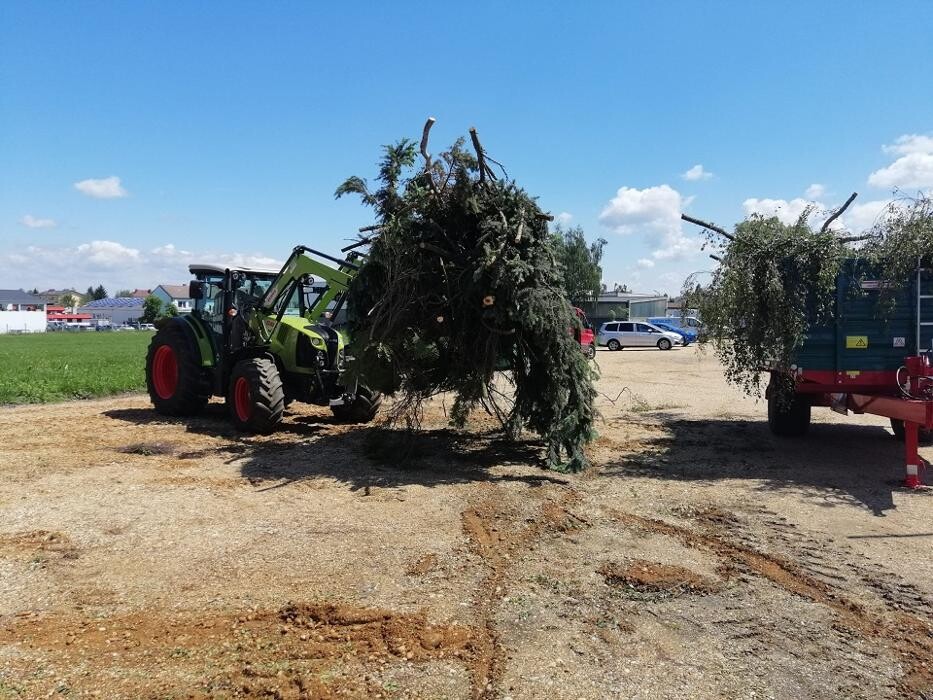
(22, 322)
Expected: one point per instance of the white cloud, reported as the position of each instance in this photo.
(861, 217)
(914, 167)
(645, 263)
(30, 221)
(107, 254)
(563, 218)
(104, 188)
(696, 173)
(910, 143)
(787, 212)
(111, 263)
(654, 212)
(815, 191)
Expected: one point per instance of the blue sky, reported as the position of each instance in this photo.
(135, 137)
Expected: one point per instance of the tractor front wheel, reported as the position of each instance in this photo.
(177, 384)
(255, 396)
(362, 409)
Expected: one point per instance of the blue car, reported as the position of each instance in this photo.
(688, 334)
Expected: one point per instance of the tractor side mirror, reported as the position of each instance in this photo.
(195, 289)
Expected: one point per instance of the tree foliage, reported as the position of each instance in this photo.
(461, 291)
(152, 309)
(580, 263)
(775, 281)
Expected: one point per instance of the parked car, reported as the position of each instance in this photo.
(688, 334)
(585, 335)
(616, 335)
(679, 321)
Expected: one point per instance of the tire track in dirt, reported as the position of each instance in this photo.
(907, 636)
(491, 526)
(241, 653)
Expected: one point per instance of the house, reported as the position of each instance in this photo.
(59, 314)
(21, 312)
(117, 311)
(610, 306)
(175, 294)
(141, 293)
(55, 296)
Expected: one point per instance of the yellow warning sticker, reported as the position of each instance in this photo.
(856, 342)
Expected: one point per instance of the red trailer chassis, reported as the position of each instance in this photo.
(905, 395)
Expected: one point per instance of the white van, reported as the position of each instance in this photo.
(616, 335)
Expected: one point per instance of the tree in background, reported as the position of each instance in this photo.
(100, 292)
(152, 309)
(124, 293)
(579, 262)
(69, 301)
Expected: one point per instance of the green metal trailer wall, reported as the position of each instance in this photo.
(873, 329)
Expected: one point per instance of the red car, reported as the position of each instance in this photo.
(584, 335)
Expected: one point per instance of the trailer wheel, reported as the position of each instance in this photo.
(177, 384)
(255, 397)
(788, 418)
(897, 425)
(614, 345)
(362, 409)
(590, 351)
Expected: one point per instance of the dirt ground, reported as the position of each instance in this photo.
(701, 557)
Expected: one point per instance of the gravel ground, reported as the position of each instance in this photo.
(143, 557)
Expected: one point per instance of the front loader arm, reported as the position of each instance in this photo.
(300, 264)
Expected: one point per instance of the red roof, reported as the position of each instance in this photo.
(68, 317)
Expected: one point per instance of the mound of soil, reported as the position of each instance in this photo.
(651, 577)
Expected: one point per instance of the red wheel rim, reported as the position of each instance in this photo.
(164, 372)
(241, 399)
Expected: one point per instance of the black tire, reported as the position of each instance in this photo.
(362, 409)
(788, 418)
(897, 425)
(177, 384)
(664, 344)
(255, 396)
(590, 351)
(614, 344)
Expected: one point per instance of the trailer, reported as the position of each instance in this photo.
(875, 356)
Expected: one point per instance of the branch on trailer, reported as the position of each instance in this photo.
(707, 225)
(838, 212)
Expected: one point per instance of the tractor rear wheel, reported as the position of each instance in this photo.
(788, 416)
(362, 409)
(255, 396)
(177, 384)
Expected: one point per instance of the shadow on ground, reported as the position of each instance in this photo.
(837, 463)
(307, 447)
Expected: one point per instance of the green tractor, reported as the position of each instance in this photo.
(261, 338)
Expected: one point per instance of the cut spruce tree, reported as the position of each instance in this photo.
(460, 291)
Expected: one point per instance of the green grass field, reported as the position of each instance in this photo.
(45, 367)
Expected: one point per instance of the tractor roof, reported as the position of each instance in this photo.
(221, 269)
